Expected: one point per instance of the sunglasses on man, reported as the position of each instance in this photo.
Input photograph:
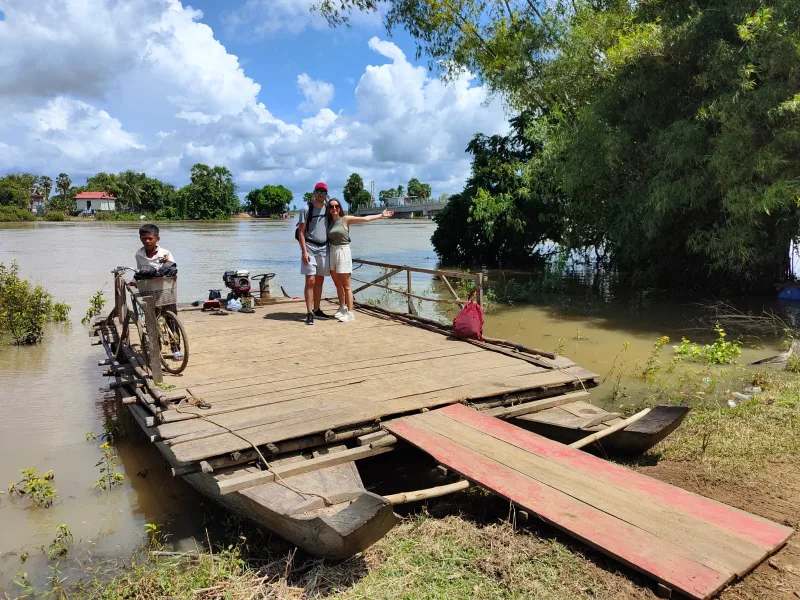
(321, 192)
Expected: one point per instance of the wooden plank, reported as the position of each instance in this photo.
(241, 482)
(758, 530)
(714, 546)
(628, 544)
(507, 412)
(362, 412)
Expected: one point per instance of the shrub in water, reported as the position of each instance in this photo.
(718, 353)
(25, 308)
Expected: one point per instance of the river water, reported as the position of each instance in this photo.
(50, 393)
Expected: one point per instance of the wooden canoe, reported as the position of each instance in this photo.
(326, 512)
(569, 423)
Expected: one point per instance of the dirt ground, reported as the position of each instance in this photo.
(773, 493)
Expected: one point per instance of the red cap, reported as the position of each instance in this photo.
(321, 186)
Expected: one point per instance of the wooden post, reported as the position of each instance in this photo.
(153, 345)
(479, 285)
(411, 309)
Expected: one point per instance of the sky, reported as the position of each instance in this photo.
(263, 87)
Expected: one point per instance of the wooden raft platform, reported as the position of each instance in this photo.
(264, 378)
(689, 543)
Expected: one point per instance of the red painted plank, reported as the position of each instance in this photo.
(640, 550)
(765, 533)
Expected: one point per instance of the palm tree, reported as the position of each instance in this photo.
(63, 183)
(131, 190)
(46, 184)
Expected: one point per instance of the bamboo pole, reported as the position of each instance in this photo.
(392, 273)
(434, 492)
(608, 431)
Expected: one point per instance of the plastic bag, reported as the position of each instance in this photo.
(234, 305)
(468, 323)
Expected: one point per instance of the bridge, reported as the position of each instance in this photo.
(405, 211)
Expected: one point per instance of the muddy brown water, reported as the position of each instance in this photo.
(50, 398)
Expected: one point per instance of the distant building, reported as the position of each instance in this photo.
(37, 202)
(96, 201)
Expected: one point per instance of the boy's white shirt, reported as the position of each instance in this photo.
(142, 260)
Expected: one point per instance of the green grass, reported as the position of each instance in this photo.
(737, 441)
(446, 558)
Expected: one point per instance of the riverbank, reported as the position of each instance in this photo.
(470, 545)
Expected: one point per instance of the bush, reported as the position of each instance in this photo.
(54, 215)
(718, 353)
(25, 308)
(13, 214)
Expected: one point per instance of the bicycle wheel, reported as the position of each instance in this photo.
(174, 343)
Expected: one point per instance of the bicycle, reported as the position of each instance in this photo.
(172, 339)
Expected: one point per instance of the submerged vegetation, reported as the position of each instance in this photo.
(718, 353)
(36, 488)
(25, 308)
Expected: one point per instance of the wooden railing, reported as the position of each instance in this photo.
(444, 276)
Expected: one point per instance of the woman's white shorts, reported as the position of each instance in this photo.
(341, 259)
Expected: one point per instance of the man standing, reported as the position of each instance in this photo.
(312, 230)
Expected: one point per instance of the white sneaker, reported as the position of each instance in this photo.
(339, 314)
(350, 316)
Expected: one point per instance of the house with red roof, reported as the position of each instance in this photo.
(96, 201)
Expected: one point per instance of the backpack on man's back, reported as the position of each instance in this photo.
(308, 219)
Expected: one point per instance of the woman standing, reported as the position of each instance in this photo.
(341, 260)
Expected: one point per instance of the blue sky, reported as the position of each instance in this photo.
(262, 86)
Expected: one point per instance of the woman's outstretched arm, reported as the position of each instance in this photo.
(351, 220)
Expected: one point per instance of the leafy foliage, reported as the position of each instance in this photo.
(96, 304)
(14, 214)
(107, 465)
(269, 201)
(36, 488)
(60, 544)
(718, 353)
(25, 308)
(669, 131)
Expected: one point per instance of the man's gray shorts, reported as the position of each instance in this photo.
(317, 265)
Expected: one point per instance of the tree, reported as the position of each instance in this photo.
(362, 198)
(130, 186)
(211, 194)
(63, 183)
(12, 194)
(384, 195)
(308, 197)
(269, 201)
(46, 185)
(669, 130)
(420, 191)
(351, 189)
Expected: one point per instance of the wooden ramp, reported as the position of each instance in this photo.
(687, 542)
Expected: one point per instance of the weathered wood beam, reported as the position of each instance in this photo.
(234, 484)
(507, 412)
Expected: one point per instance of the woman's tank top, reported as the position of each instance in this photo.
(338, 234)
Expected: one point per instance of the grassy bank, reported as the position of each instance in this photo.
(470, 546)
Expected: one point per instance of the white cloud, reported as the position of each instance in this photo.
(167, 94)
(317, 93)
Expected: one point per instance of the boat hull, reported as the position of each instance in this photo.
(637, 438)
(354, 520)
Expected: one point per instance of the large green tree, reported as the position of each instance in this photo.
(354, 193)
(420, 191)
(269, 201)
(12, 193)
(669, 130)
(211, 194)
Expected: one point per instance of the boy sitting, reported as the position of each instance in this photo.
(151, 254)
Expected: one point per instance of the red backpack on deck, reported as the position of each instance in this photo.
(469, 321)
